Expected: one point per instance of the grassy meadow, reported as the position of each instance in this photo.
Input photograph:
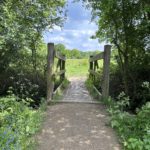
(78, 67)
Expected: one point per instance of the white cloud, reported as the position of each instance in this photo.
(57, 28)
(58, 39)
(76, 32)
(74, 38)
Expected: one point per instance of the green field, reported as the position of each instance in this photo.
(78, 67)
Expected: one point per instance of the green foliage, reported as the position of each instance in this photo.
(25, 86)
(137, 97)
(125, 24)
(74, 53)
(22, 24)
(134, 129)
(123, 101)
(21, 48)
(17, 123)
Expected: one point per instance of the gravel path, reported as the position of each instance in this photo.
(77, 126)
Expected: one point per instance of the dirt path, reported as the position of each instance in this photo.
(77, 126)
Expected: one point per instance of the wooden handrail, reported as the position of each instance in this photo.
(59, 72)
(97, 57)
(60, 56)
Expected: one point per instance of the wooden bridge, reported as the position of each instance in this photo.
(93, 66)
(80, 125)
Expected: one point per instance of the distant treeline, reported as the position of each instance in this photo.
(74, 53)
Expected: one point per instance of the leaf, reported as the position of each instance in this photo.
(114, 123)
(27, 128)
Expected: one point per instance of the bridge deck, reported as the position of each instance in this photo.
(77, 91)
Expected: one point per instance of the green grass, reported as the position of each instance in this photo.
(78, 67)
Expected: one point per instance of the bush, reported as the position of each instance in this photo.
(133, 129)
(116, 83)
(138, 93)
(17, 123)
(24, 86)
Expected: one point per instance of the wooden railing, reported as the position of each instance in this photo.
(93, 66)
(51, 75)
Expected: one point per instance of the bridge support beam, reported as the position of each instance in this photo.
(49, 73)
(106, 69)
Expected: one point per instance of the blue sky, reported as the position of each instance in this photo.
(77, 30)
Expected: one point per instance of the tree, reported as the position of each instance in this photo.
(125, 24)
(61, 48)
(22, 24)
(75, 53)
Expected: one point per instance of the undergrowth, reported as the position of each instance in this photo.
(134, 129)
(18, 122)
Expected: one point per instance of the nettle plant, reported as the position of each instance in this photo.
(117, 107)
(133, 129)
(123, 101)
(139, 138)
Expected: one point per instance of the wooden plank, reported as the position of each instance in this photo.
(106, 68)
(94, 72)
(49, 76)
(97, 57)
(99, 94)
(60, 56)
(59, 72)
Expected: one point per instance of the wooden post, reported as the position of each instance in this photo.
(61, 62)
(106, 64)
(50, 63)
(62, 76)
(63, 68)
(90, 66)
